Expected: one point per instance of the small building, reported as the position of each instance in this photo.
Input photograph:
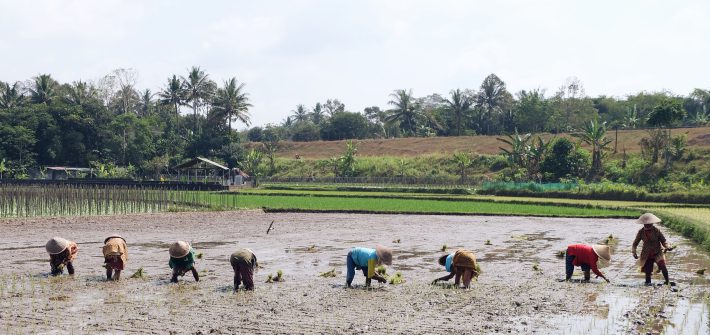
(203, 170)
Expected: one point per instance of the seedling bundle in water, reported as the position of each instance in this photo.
(328, 274)
(278, 278)
(488, 242)
(381, 270)
(199, 256)
(397, 279)
(139, 274)
(561, 253)
(443, 247)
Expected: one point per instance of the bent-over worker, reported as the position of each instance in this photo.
(461, 263)
(366, 259)
(586, 257)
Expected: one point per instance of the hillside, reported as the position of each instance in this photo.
(414, 146)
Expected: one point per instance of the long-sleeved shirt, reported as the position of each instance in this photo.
(584, 255)
(653, 240)
(365, 258)
(186, 262)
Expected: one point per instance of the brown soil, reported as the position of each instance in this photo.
(416, 146)
(509, 297)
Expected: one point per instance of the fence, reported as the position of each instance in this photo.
(374, 181)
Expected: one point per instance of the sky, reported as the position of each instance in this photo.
(307, 51)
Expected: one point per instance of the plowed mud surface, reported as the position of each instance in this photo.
(509, 297)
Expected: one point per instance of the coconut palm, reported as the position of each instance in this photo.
(459, 105)
(78, 94)
(232, 102)
(146, 101)
(173, 94)
(300, 113)
(10, 96)
(463, 161)
(317, 114)
(43, 90)
(405, 111)
(198, 89)
(492, 101)
(594, 134)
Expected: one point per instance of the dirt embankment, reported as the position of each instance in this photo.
(416, 146)
(510, 296)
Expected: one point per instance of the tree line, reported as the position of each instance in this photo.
(111, 122)
(488, 110)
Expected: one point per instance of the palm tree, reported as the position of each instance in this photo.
(594, 134)
(10, 96)
(459, 105)
(317, 114)
(43, 90)
(78, 93)
(492, 101)
(198, 88)
(146, 101)
(405, 111)
(519, 148)
(173, 94)
(233, 103)
(300, 113)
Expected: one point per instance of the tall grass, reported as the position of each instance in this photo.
(68, 200)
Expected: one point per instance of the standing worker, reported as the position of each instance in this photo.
(182, 259)
(62, 252)
(244, 263)
(586, 256)
(654, 247)
(366, 259)
(461, 263)
(115, 256)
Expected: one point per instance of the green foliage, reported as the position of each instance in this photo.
(304, 131)
(345, 125)
(565, 161)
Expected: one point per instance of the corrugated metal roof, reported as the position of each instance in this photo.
(197, 160)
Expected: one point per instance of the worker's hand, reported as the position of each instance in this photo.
(636, 256)
(381, 280)
(434, 282)
(669, 249)
(607, 280)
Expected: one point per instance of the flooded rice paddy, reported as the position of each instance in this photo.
(518, 291)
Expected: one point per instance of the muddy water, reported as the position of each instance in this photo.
(509, 297)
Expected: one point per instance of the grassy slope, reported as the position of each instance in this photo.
(417, 146)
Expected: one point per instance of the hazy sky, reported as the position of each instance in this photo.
(291, 52)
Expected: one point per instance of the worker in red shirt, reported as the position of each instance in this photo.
(586, 256)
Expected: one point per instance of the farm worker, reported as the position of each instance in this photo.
(367, 259)
(243, 262)
(182, 259)
(653, 242)
(461, 263)
(62, 252)
(115, 256)
(586, 257)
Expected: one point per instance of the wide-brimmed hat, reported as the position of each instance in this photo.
(56, 245)
(648, 218)
(114, 236)
(602, 251)
(179, 249)
(384, 254)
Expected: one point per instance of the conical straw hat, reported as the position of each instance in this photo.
(602, 251)
(648, 218)
(56, 245)
(384, 254)
(179, 249)
(114, 236)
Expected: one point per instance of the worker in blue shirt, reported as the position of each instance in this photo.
(366, 259)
